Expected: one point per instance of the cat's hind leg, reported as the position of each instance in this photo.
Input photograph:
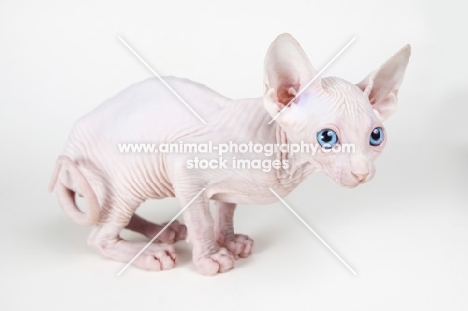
(106, 238)
(175, 232)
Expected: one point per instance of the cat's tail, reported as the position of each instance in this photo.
(66, 196)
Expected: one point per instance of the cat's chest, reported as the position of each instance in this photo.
(252, 191)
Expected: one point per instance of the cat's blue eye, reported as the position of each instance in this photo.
(327, 138)
(376, 136)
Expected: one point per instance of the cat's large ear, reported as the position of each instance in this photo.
(286, 70)
(382, 85)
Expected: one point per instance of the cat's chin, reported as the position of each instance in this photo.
(348, 185)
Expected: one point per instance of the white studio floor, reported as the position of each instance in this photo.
(405, 233)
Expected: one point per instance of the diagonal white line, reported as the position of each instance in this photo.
(315, 78)
(313, 231)
(160, 232)
(161, 79)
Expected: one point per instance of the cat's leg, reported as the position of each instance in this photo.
(175, 232)
(105, 237)
(208, 256)
(238, 244)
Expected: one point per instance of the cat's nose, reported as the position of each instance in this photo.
(360, 176)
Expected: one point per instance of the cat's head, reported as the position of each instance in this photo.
(345, 119)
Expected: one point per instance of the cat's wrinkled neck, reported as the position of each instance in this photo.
(299, 165)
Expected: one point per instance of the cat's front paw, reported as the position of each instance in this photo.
(240, 245)
(217, 262)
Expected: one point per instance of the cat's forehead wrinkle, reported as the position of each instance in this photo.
(348, 98)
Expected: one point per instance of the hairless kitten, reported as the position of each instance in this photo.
(329, 112)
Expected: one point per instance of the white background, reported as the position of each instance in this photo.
(406, 232)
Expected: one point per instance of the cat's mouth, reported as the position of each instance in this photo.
(343, 180)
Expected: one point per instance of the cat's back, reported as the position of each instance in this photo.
(150, 111)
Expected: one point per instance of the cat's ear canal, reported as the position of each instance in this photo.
(382, 85)
(286, 71)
